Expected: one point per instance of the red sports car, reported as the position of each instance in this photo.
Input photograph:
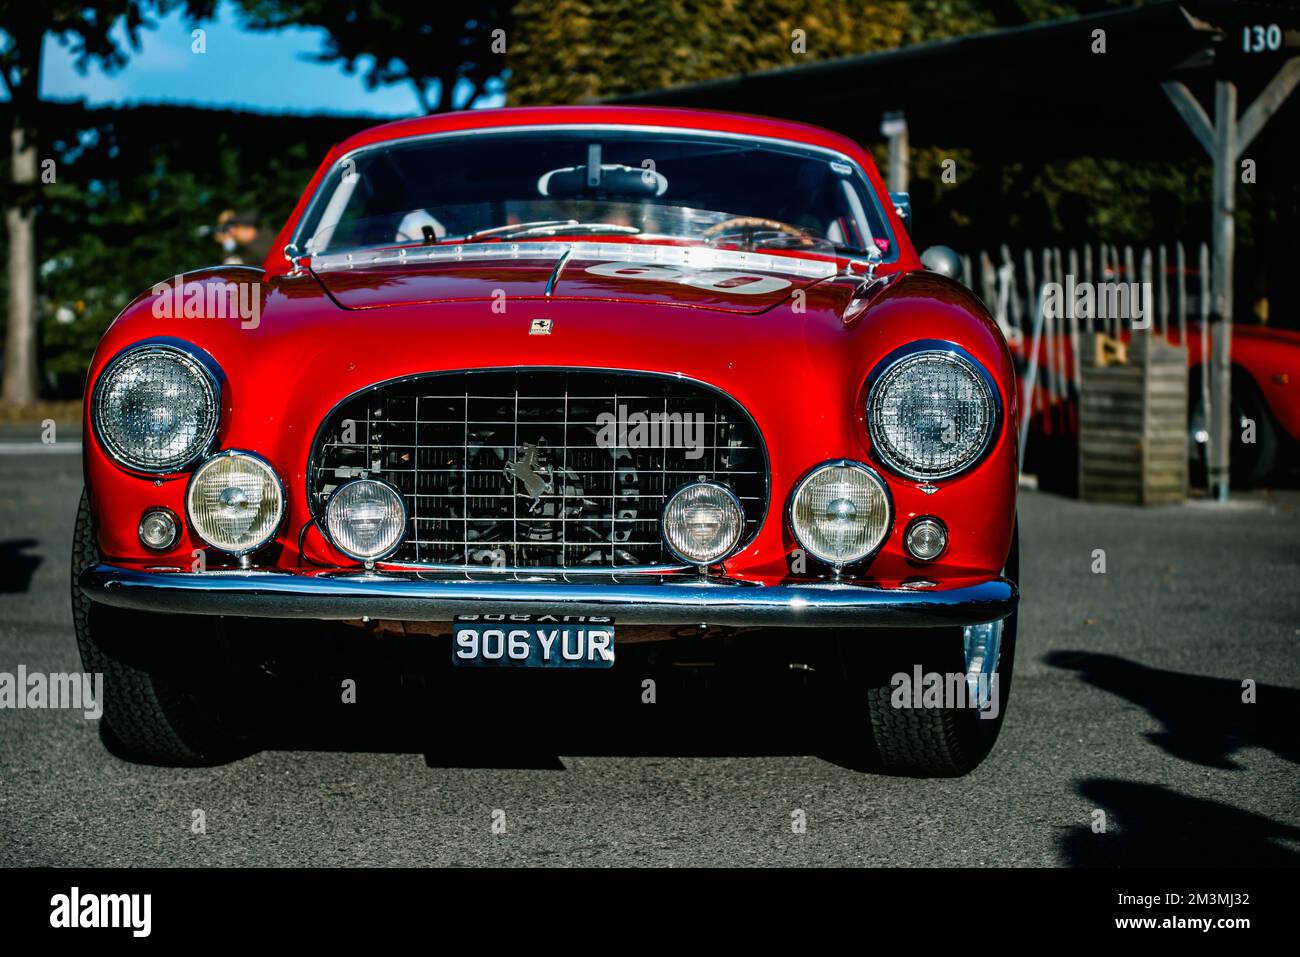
(535, 384)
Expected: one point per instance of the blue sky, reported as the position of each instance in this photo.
(267, 72)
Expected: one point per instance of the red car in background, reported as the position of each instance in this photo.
(536, 383)
(1265, 416)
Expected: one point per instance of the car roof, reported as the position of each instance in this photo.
(690, 119)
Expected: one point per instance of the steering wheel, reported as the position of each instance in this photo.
(744, 229)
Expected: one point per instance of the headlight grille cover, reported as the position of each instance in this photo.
(155, 408)
(931, 414)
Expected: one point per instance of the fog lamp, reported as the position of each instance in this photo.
(366, 519)
(703, 523)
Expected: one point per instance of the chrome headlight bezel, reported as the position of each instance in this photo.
(929, 349)
(195, 362)
(888, 525)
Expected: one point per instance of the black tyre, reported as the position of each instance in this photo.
(928, 741)
(160, 680)
(1252, 462)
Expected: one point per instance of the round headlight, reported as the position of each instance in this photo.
(703, 523)
(840, 512)
(156, 408)
(235, 502)
(366, 519)
(931, 414)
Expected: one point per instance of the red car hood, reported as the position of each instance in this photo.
(689, 276)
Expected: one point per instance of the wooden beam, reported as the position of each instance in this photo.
(1193, 114)
(1223, 238)
(1268, 102)
(894, 127)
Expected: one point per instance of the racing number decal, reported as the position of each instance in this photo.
(715, 280)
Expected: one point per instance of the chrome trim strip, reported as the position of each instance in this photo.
(350, 596)
(693, 256)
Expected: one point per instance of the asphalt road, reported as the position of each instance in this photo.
(1127, 701)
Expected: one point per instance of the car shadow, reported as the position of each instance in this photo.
(514, 726)
(1205, 719)
(674, 699)
(17, 568)
(1150, 825)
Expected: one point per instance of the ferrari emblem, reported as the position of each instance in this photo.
(527, 470)
(540, 327)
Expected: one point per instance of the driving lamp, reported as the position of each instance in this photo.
(235, 502)
(840, 512)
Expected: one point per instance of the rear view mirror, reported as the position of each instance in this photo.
(609, 180)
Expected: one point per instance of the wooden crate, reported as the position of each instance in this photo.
(1133, 424)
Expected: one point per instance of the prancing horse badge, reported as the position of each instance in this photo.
(532, 473)
(540, 327)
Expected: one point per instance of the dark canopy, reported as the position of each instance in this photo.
(1036, 91)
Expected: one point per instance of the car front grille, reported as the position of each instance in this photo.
(527, 468)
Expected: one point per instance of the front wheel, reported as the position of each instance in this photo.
(929, 703)
(161, 685)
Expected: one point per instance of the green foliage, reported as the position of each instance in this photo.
(135, 198)
(568, 51)
(432, 46)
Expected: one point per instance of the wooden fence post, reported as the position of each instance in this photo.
(1180, 291)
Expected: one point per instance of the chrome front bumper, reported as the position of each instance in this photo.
(669, 600)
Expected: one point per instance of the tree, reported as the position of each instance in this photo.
(567, 51)
(88, 29)
(434, 46)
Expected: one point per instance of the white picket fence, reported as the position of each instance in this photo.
(1013, 287)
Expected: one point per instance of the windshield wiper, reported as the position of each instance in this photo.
(542, 225)
(503, 230)
(576, 227)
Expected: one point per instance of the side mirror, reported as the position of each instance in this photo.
(903, 207)
(942, 260)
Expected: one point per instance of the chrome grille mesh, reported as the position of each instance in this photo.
(471, 453)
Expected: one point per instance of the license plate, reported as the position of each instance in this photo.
(532, 641)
